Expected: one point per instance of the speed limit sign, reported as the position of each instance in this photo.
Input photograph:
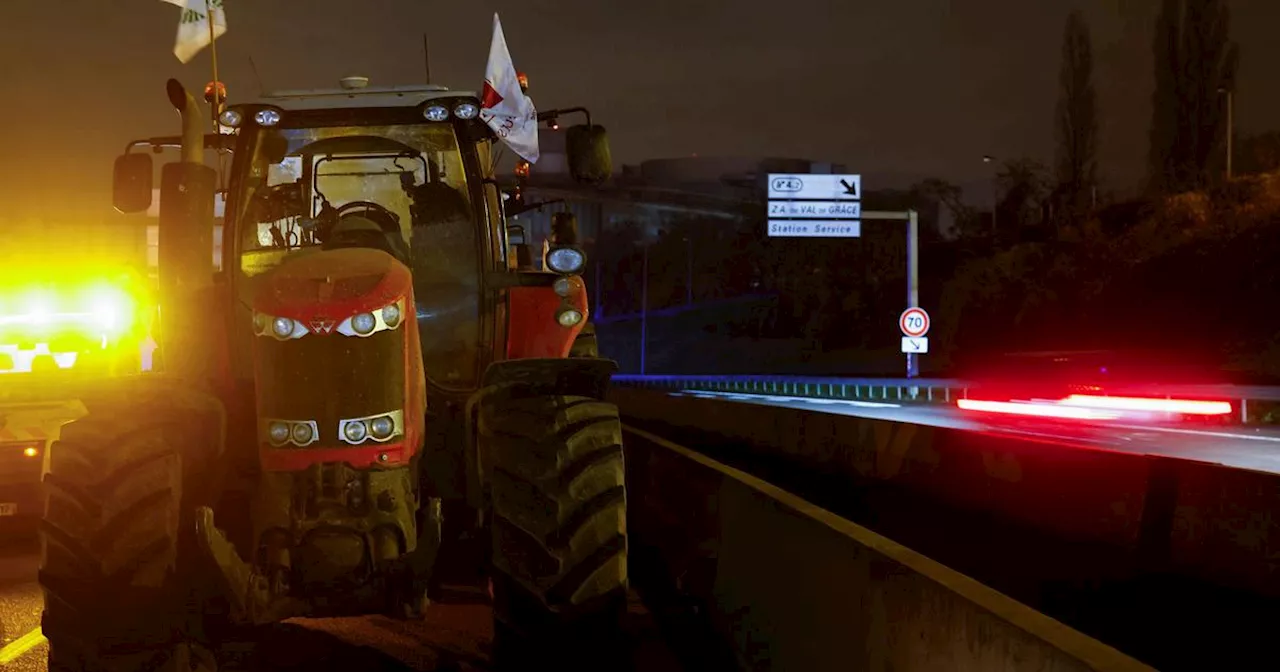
(914, 322)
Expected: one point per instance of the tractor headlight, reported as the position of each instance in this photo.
(278, 432)
(566, 260)
(301, 433)
(385, 318)
(279, 328)
(436, 113)
(379, 428)
(566, 285)
(382, 427)
(267, 117)
(568, 317)
(391, 315)
(282, 327)
(230, 118)
(364, 323)
(354, 432)
(466, 110)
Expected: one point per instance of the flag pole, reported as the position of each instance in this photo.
(216, 103)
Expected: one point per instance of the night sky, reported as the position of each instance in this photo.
(896, 90)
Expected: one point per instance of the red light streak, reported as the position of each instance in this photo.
(1050, 410)
(1181, 406)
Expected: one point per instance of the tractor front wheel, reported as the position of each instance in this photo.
(557, 488)
(113, 534)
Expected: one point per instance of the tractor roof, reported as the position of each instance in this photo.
(355, 93)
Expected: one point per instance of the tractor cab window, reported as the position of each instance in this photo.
(402, 189)
(346, 186)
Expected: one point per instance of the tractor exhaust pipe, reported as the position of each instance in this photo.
(187, 190)
(192, 124)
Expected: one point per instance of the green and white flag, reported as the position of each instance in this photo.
(193, 26)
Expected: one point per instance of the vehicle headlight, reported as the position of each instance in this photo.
(230, 118)
(279, 328)
(568, 317)
(566, 260)
(466, 110)
(391, 315)
(566, 285)
(355, 431)
(282, 327)
(267, 117)
(436, 113)
(301, 433)
(111, 308)
(382, 427)
(278, 432)
(385, 318)
(379, 428)
(364, 323)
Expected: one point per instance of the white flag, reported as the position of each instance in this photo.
(193, 26)
(504, 107)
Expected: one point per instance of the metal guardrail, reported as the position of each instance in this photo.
(894, 389)
(1250, 403)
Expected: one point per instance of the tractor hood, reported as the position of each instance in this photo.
(331, 285)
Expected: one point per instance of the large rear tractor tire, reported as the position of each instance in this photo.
(559, 526)
(586, 345)
(117, 535)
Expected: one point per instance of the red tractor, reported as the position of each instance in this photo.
(373, 375)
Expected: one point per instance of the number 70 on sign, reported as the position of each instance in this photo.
(914, 322)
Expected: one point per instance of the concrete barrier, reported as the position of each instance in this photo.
(1195, 519)
(794, 587)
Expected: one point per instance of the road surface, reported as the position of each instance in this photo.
(1251, 448)
(454, 637)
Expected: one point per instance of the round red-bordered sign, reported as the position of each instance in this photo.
(914, 322)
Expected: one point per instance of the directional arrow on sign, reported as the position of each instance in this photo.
(917, 344)
(850, 189)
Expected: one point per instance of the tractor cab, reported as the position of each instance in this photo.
(405, 170)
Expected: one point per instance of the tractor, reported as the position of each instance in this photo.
(376, 374)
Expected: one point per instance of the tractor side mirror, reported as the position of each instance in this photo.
(131, 183)
(587, 148)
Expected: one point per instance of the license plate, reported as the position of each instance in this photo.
(8, 509)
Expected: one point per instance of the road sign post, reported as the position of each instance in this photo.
(807, 205)
(913, 272)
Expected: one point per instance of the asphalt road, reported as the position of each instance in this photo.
(453, 637)
(1250, 448)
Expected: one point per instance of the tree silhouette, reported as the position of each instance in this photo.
(1076, 118)
(1024, 188)
(1194, 61)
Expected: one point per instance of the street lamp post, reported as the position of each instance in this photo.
(644, 309)
(995, 197)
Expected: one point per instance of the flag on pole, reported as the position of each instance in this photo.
(193, 26)
(504, 107)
